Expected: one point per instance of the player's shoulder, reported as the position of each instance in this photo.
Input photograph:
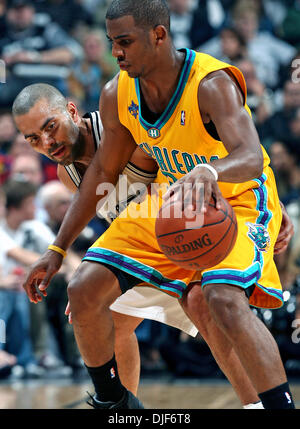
(219, 85)
(108, 106)
(110, 89)
(216, 79)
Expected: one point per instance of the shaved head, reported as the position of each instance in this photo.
(31, 94)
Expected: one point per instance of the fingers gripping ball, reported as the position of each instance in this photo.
(197, 242)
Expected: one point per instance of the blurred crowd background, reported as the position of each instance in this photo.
(63, 42)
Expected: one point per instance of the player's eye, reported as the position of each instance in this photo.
(33, 140)
(125, 42)
(51, 126)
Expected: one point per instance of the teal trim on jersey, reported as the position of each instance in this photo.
(165, 116)
(136, 269)
(261, 181)
(265, 215)
(240, 278)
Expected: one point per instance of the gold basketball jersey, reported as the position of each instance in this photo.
(178, 140)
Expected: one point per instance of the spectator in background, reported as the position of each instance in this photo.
(291, 71)
(279, 125)
(265, 50)
(7, 132)
(68, 14)
(290, 28)
(97, 8)
(33, 50)
(19, 231)
(14, 311)
(285, 159)
(233, 46)
(20, 224)
(19, 147)
(181, 18)
(259, 98)
(28, 167)
(16, 354)
(193, 22)
(295, 127)
(56, 199)
(96, 68)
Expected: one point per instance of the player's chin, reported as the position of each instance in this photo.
(133, 74)
(62, 161)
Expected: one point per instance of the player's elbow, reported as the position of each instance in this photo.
(255, 164)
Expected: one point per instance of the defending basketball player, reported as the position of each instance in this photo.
(191, 109)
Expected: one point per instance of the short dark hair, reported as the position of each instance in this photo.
(236, 34)
(146, 13)
(29, 95)
(16, 191)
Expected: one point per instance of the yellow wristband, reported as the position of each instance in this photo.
(57, 249)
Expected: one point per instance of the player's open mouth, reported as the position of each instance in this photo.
(59, 152)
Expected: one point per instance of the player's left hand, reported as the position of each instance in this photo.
(286, 232)
(197, 186)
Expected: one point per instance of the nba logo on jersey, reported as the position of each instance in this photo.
(182, 117)
(154, 133)
(112, 372)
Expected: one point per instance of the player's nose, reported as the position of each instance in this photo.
(117, 51)
(47, 141)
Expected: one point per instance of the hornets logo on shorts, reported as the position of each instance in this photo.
(260, 236)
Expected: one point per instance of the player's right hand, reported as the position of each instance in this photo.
(40, 275)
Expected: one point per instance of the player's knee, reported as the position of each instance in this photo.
(83, 292)
(195, 306)
(226, 308)
(78, 295)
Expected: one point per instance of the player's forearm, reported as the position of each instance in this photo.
(239, 166)
(83, 207)
(80, 212)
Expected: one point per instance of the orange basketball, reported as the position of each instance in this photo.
(197, 242)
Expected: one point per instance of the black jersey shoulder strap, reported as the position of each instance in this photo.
(96, 130)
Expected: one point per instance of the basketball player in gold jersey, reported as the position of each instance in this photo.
(141, 42)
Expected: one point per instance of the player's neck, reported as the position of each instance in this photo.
(159, 86)
(88, 150)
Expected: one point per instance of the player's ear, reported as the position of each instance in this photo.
(160, 33)
(72, 109)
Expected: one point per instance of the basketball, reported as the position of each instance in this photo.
(199, 242)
